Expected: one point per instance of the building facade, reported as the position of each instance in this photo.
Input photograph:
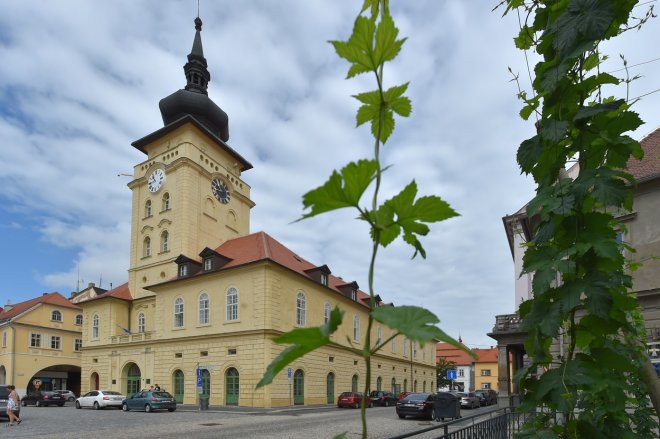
(41, 339)
(486, 369)
(464, 365)
(205, 297)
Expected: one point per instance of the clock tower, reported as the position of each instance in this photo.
(188, 193)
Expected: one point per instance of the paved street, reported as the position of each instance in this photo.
(306, 422)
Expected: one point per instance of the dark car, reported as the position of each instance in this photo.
(418, 405)
(352, 399)
(488, 396)
(386, 399)
(149, 400)
(42, 398)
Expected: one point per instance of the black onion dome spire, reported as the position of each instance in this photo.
(194, 100)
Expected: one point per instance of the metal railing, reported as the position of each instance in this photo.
(497, 424)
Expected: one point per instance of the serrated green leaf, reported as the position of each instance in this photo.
(386, 129)
(592, 110)
(358, 50)
(416, 323)
(529, 153)
(341, 190)
(370, 97)
(401, 106)
(366, 113)
(554, 130)
(525, 38)
(395, 92)
(304, 340)
(387, 46)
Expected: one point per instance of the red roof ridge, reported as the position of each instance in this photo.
(52, 298)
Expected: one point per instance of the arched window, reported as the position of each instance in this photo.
(79, 320)
(379, 384)
(301, 309)
(356, 328)
(405, 385)
(166, 201)
(147, 209)
(354, 383)
(379, 335)
(56, 315)
(95, 326)
(165, 241)
(146, 247)
(179, 381)
(141, 322)
(326, 313)
(178, 313)
(393, 390)
(232, 304)
(203, 309)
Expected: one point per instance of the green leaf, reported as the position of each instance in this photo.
(304, 340)
(554, 130)
(592, 110)
(366, 113)
(525, 38)
(358, 50)
(416, 323)
(386, 129)
(387, 46)
(529, 153)
(341, 190)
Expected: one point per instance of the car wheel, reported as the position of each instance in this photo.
(60, 405)
(147, 408)
(96, 405)
(78, 404)
(124, 407)
(170, 410)
(356, 406)
(24, 403)
(71, 399)
(432, 414)
(401, 416)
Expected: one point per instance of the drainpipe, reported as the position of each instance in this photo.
(13, 355)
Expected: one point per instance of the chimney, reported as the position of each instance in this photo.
(90, 285)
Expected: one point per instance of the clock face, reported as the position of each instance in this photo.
(156, 180)
(220, 190)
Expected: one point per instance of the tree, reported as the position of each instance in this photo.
(441, 371)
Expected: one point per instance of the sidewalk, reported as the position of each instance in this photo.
(253, 410)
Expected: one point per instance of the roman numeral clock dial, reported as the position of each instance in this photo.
(220, 191)
(156, 180)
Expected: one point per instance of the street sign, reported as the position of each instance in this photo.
(200, 383)
(452, 374)
(288, 373)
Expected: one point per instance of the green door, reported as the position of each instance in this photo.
(206, 384)
(330, 382)
(178, 386)
(232, 386)
(133, 380)
(299, 387)
(379, 384)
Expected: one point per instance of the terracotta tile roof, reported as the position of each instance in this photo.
(649, 167)
(260, 246)
(54, 298)
(486, 355)
(121, 292)
(451, 353)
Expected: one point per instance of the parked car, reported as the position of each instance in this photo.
(489, 396)
(149, 400)
(386, 399)
(352, 399)
(419, 405)
(98, 399)
(469, 399)
(67, 394)
(42, 398)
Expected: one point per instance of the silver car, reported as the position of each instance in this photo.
(469, 399)
(98, 399)
(67, 394)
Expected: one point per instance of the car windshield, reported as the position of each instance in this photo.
(346, 394)
(417, 397)
(375, 393)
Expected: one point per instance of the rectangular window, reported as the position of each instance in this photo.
(485, 386)
(4, 339)
(77, 345)
(405, 347)
(324, 279)
(394, 345)
(353, 295)
(204, 354)
(231, 351)
(183, 270)
(178, 355)
(208, 264)
(55, 342)
(461, 372)
(485, 373)
(35, 340)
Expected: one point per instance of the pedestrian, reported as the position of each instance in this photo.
(157, 388)
(13, 406)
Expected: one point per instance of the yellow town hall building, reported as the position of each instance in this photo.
(205, 297)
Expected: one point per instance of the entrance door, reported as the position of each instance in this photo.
(330, 384)
(232, 386)
(178, 386)
(299, 387)
(206, 384)
(133, 380)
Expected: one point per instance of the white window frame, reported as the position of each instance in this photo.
(147, 209)
(166, 201)
(79, 319)
(301, 309)
(208, 264)
(146, 247)
(356, 328)
(95, 326)
(35, 338)
(55, 313)
(178, 312)
(165, 241)
(326, 313)
(141, 323)
(379, 335)
(203, 309)
(183, 270)
(77, 344)
(56, 342)
(405, 347)
(232, 304)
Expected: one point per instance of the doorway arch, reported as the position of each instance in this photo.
(330, 388)
(379, 384)
(232, 385)
(133, 379)
(94, 381)
(299, 387)
(354, 383)
(179, 381)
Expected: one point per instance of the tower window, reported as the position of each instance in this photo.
(146, 247)
(165, 242)
(147, 209)
(166, 201)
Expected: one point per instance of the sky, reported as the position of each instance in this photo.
(81, 80)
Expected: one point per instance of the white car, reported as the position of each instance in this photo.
(98, 399)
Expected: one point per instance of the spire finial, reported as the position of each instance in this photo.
(197, 75)
(198, 24)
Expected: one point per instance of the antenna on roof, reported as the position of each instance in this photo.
(78, 284)
(101, 281)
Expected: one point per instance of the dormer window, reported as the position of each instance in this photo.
(353, 295)
(183, 270)
(208, 264)
(324, 279)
